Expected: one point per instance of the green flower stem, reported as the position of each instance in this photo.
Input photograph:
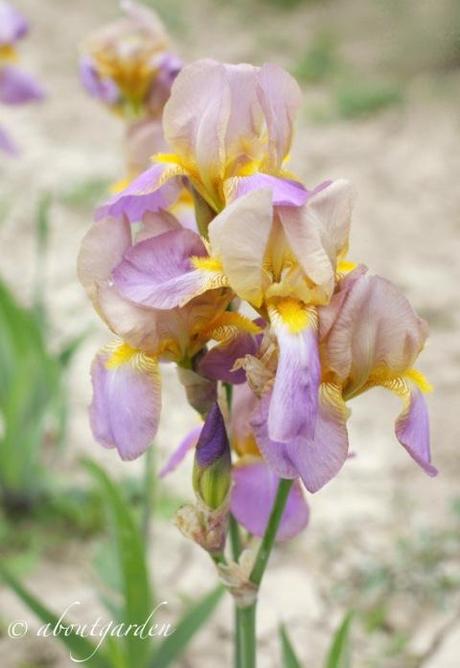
(246, 636)
(246, 617)
(270, 532)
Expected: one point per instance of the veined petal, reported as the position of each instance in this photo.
(159, 271)
(374, 328)
(155, 189)
(285, 192)
(305, 240)
(18, 87)
(239, 236)
(125, 409)
(294, 403)
(315, 460)
(253, 494)
(412, 427)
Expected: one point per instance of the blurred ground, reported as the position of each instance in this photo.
(383, 538)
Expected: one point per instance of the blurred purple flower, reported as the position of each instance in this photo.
(13, 25)
(18, 87)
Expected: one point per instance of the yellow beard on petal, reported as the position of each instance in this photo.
(295, 315)
(121, 354)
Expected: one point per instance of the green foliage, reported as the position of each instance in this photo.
(355, 100)
(129, 600)
(173, 647)
(33, 398)
(319, 62)
(29, 395)
(288, 655)
(339, 655)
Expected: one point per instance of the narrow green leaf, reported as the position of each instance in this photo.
(288, 655)
(339, 655)
(173, 647)
(135, 584)
(79, 647)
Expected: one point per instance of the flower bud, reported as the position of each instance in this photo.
(212, 467)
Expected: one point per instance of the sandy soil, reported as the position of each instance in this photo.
(404, 164)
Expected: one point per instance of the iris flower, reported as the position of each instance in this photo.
(126, 403)
(369, 337)
(127, 64)
(229, 128)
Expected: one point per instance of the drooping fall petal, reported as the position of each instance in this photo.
(125, 408)
(159, 271)
(317, 460)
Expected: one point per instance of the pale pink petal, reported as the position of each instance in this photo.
(253, 494)
(375, 327)
(280, 98)
(196, 115)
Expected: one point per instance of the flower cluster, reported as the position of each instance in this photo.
(16, 86)
(128, 65)
(254, 290)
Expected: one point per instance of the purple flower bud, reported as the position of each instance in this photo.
(212, 469)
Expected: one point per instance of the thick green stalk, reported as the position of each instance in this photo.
(246, 617)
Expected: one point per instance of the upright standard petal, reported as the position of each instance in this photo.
(315, 460)
(253, 494)
(294, 403)
(125, 408)
(18, 87)
(239, 237)
(280, 97)
(375, 330)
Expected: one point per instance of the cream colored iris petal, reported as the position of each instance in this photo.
(239, 236)
(304, 236)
